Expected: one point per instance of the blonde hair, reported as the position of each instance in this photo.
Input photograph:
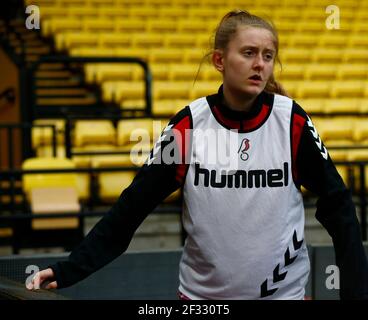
(227, 29)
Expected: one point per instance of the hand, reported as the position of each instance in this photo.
(42, 277)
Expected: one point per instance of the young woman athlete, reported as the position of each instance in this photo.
(244, 217)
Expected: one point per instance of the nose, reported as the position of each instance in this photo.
(258, 62)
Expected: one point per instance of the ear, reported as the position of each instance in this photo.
(217, 60)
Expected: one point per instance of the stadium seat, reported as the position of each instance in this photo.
(355, 55)
(130, 25)
(312, 89)
(51, 192)
(360, 129)
(161, 25)
(292, 71)
(320, 71)
(326, 55)
(43, 135)
(312, 105)
(352, 71)
(295, 55)
(341, 105)
(347, 89)
(143, 127)
(203, 88)
(337, 129)
(118, 91)
(171, 90)
(332, 40)
(94, 132)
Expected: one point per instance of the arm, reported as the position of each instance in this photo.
(111, 236)
(315, 170)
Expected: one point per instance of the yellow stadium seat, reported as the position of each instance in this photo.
(68, 40)
(161, 25)
(92, 52)
(165, 55)
(360, 26)
(295, 55)
(93, 132)
(290, 87)
(147, 40)
(208, 72)
(204, 88)
(130, 25)
(303, 40)
(309, 27)
(341, 105)
(180, 40)
(132, 128)
(143, 12)
(114, 39)
(326, 55)
(171, 90)
(117, 91)
(99, 25)
(132, 52)
(289, 13)
(363, 105)
(203, 13)
(361, 129)
(352, 71)
(55, 25)
(312, 105)
(320, 71)
(285, 26)
(43, 135)
(357, 41)
(172, 12)
(160, 71)
(337, 129)
(338, 154)
(113, 12)
(193, 26)
(332, 40)
(182, 71)
(346, 89)
(291, 71)
(111, 184)
(355, 55)
(312, 89)
(133, 103)
(193, 55)
(169, 107)
(81, 11)
(47, 151)
(51, 192)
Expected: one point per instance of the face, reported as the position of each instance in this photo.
(247, 62)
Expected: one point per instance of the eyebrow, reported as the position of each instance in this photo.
(253, 47)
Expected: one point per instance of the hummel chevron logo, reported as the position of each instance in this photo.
(297, 244)
(277, 276)
(264, 290)
(317, 139)
(157, 146)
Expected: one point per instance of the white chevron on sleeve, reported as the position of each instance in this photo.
(157, 145)
(317, 139)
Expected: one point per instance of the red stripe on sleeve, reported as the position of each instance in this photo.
(182, 136)
(296, 133)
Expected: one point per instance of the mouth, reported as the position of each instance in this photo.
(256, 77)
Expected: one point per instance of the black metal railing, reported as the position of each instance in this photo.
(40, 112)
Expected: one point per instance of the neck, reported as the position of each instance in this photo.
(238, 103)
